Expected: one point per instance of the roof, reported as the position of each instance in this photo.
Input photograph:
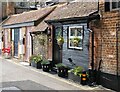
(72, 10)
(42, 26)
(30, 16)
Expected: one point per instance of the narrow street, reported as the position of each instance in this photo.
(23, 78)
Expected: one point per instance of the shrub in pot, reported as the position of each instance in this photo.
(75, 74)
(62, 70)
(36, 61)
(31, 59)
(46, 65)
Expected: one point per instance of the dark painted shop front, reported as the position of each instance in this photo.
(78, 54)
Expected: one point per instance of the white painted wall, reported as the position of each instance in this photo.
(21, 46)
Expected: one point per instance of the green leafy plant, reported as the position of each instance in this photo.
(60, 65)
(36, 58)
(45, 62)
(75, 41)
(60, 40)
(77, 70)
(32, 58)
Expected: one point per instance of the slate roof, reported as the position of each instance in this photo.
(74, 9)
(29, 16)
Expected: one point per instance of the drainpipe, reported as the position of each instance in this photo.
(31, 43)
(117, 56)
(92, 58)
(92, 63)
(92, 72)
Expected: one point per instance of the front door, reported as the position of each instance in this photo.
(57, 55)
(16, 39)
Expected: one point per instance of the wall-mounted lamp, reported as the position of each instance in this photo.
(49, 31)
(50, 40)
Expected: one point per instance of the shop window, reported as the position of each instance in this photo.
(75, 37)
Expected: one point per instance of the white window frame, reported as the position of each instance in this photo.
(81, 37)
(111, 5)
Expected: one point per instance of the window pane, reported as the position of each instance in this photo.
(114, 5)
(75, 37)
(72, 31)
(75, 43)
(119, 4)
(79, 32)
(107, 5)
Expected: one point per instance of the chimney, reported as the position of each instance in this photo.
(10, 8)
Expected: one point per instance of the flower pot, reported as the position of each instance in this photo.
(74, 77)
(37, 65)
(32, 63)
(46, 67)
(62, 72)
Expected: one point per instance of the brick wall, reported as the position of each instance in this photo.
(108, 39)
(119, 51)
(10, 8)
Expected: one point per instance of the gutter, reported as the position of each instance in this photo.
(30, 23)
(66, 19)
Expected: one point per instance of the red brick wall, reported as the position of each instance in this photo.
(119, 50)
(105, 40)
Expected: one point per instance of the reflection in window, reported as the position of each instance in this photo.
(72, 33)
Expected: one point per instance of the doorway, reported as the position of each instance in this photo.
(16, 40)
(57, 54)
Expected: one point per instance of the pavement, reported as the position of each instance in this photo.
(16, 75)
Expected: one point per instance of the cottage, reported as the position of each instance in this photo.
(17, 31)
(70, 21)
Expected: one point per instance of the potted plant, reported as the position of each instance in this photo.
(36, 61)
(31, 59)
(46, 65)
(62, 70)
(60, 40)
(75, 41)
(75, 74)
